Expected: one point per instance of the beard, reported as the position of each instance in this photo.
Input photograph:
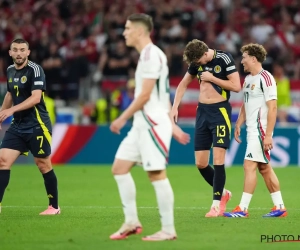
(19, 61)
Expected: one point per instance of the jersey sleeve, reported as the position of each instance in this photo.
(193, 69)
(38, 78)
(269, 86)
(152, 65)
(228, 64)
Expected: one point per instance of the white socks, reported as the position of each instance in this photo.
(165, 200)
(245, 201)
(164, 196)
(127, 193)
(224, 192)
(216, 203)
(277, 200)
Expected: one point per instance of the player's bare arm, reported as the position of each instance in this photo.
(233, 83)
(178, 134)
(182, 86)
(7, 102)
(271, 121)
(137, 104)
(34, 99)
(240, 121)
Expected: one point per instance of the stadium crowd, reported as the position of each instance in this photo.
(81, 40)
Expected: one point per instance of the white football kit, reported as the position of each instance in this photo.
(258, 90)
(149, 139)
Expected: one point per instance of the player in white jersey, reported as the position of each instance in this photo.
(149, 139)
(259, 111)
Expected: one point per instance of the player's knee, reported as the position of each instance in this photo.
(157, 175)
(44, 164)
(264, 169)
(201, 164)
(219, 156)
(4, 162)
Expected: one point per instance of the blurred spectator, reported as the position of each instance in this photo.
(260, 30)
(80, 45)
(104, 110)
(230, 39)
(51, 108)
(126, 96)
(283, 93)
(115, 61)
(52, 65)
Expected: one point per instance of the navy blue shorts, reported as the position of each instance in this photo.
(38, 142)
(213, 126)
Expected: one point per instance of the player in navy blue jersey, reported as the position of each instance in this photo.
(30, 129)
(217, 76)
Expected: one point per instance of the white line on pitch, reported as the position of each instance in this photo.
(142, 207)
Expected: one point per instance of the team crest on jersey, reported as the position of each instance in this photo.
(23, 79)
(252, 86)
(217, 69)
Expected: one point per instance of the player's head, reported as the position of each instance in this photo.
(196, 51)
(19, 50)
(137, 26)
(253, 54)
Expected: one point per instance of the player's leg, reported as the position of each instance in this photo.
(126, 157)
(253, 157)
(220, 128)
(39, 143)
(250, 181)
(202, 145)
(10, 149)
(155, 145)
(273, 186)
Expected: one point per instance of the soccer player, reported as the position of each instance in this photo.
(30, 129)
(217, 75)
(149, 139)
(259, 111)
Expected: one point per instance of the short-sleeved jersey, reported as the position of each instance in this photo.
(220, 66)
(20, 83)
(153, 65)
(258, 90)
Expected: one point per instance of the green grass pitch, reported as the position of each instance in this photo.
(91, 211)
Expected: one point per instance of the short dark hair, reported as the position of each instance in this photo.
(19, 41)
(142, 18)
(194, 50)
(256, 50)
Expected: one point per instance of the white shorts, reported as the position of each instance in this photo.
(255, 152)
(149, 146)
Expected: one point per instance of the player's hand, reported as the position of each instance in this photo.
(117, 125)
(180, 136)
(237, 133)
(5, 114)
(174, 114)
(268, 143)
(207, 76)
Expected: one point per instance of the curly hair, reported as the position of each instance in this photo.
(194, 50)
(256, 50)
